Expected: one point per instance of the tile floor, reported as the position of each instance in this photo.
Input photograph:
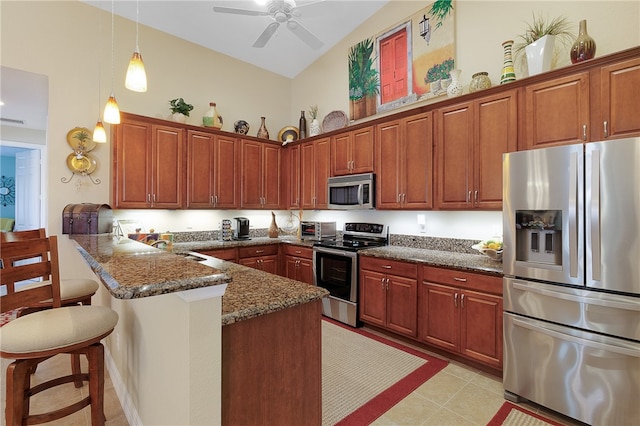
(458, 395)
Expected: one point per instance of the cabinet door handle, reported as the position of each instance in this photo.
(584, 132)
(216, 198)
(386, 266)
(259, 251)
(387, 287)
(455, 300)
(382, 282)
(606, 128)
(475, 196)
(468, 196)
(462, 301)
(148, 198)
(154, 198)
(462, 280)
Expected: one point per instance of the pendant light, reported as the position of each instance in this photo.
(111, 110)
(99, 134)
(136, 79)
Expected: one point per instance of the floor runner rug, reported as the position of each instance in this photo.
(512, 415)
(364, 375)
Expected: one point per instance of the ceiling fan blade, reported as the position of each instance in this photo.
(266, 34)
(304, 34)
(248, 12)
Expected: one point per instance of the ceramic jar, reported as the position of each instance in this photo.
(508, 71)
(479, 81)
(455, 87)
(314, 127)
(212, 118)
(241, 127)
(273, 228)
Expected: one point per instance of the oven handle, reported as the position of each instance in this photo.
(584, 342)
(352, 254)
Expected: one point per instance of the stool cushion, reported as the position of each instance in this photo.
(56, 329)
(71, 288)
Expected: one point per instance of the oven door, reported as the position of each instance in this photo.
(337, 271)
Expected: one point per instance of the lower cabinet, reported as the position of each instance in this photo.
(462, 313)
(228, 254)
(263, 257)
(297, 263)
(388, 294)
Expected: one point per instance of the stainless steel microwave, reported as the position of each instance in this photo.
(352, 192)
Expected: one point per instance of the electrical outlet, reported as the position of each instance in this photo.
(422, 223)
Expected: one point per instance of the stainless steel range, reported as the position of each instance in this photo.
(335, 267)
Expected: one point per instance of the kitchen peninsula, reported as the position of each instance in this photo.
(256, 335)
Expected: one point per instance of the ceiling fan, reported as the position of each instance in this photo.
(281, 11)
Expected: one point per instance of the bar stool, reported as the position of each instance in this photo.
(34, 338)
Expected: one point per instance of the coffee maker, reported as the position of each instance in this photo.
(242, 228)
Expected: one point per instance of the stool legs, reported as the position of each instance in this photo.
(95, 355)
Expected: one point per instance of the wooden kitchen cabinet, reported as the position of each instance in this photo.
(470, 140)
(298, 263)
(388, 294)
(314, 173)
(618, 88)
(404, 165)
(148, 164)
(292, 175)
(262, 257)
(462, 313)
(212, 162)
(556, 111)
(260, 175)
(228, 254)
(352, 152)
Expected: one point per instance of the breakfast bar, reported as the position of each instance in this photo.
(212, 341)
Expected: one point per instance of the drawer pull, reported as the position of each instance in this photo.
(462, 280)
(259, 251)
(386, 266)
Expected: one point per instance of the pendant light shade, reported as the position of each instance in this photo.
(136, 79)
(99, 134)
(111, 111)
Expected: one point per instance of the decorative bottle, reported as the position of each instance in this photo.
(585, 47)
(479, 81)
(455, 87)
(273, 229)
(508, 71)
(302, 126)
(212, 118)
(262, 131)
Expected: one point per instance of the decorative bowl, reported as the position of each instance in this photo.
(490, 248)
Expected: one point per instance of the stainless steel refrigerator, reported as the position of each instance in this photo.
(572, 279)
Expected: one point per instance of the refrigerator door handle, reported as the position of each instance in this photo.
(573, 220)
(576, 298)
(593, 216)
(584, 342)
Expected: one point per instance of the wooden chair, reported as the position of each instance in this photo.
(72, 291)
(34, 338)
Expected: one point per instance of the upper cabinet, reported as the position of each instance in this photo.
(314, 173)
(148, 166)
(619, 91)
(404, 166)
(557, 111)
(260, 175)
(212, 161)
(470, 140)
(352, 152)
(291, 161)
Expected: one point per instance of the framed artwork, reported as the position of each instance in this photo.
(404, 63)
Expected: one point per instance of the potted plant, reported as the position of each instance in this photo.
(180, 109)
(538, 41)
(314, 127)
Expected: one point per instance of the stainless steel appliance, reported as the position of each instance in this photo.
(335, 267)
(317, 231)
(572, 279)
(352, 192)
(242, 228)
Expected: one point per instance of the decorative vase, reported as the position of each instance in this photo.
(479, 81)
(179, 117)
(585, 47)
(540, 54)
(444, 83)
(241, 127)
(262, 131)
(273, 229)
(508, 72)
(314, 127)
(455, 87)
(212, 118)
(302, 126)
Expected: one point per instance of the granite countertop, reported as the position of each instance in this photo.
(131, 269)
(438, 258)
(256, 241)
